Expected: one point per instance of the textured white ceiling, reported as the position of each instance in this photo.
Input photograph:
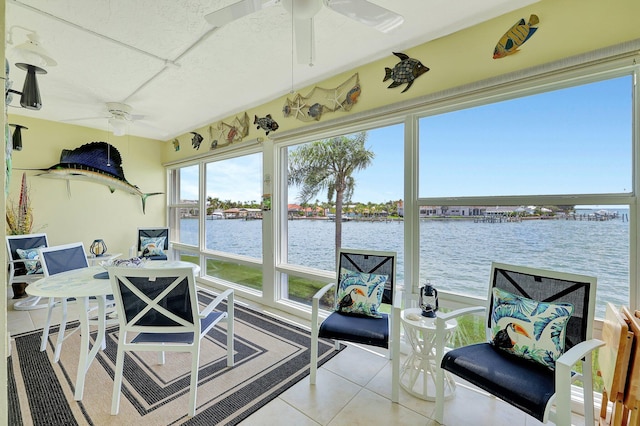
(118, 51)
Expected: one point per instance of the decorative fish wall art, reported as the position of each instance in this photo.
(405, 71)
(515, 37)
(96, 162)
(266, 123)
(176, 144)
(196, 140)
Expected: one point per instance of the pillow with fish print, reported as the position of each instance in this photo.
(32, 266)
(529, 329)
(359, 293)
(152, 246)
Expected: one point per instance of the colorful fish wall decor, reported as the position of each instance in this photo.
(97, 162)
(196, 140)
(515, 37)
(405, 71)
(176, 144)
(266, 123)
(320, 101)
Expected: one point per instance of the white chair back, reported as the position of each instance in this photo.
(63, 258)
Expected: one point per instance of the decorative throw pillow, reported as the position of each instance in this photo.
(529, 329)
(32, 266)
(134, 262)
(152, 246)
(359, 293)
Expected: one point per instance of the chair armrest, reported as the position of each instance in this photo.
(322, 291)
(133, 252)
(315, 306)
(563, 379)
(441, 324)
(579, 351)
(442, 317)
(22, 261)
(211, 306)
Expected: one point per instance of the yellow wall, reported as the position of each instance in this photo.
(91, 211)
(567, 28)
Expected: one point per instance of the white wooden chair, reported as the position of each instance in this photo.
(160, 305)
(536, 298)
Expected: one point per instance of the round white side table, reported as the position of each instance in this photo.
(418, 373)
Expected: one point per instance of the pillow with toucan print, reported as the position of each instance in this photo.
(529, 329)
(359, 293)
(152, 246)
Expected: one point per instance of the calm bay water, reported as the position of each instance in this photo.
(455, 255)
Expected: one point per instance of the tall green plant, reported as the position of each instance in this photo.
(328, 165)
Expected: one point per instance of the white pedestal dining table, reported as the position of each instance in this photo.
(83, 284)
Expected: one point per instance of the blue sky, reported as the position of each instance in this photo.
(575, 140)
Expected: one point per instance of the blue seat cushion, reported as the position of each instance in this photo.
(357, 329)
(524, 384)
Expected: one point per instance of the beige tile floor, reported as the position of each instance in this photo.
(353, 388)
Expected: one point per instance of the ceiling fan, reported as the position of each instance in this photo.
(119, 117)
(303, 11)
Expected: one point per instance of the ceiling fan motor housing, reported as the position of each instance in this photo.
(303, 9)
(119, 110)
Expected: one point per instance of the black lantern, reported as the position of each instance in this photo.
(98, 248)
(428, 300)
(17, 136)
(30, 96)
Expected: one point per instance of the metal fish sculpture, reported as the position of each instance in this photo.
(232, 134)
(515, 37)
(405, 71)
(315, 111)
(267, 123)
(196, 140)
(352, 95)
(96, 162)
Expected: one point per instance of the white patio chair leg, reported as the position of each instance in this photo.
(47, 325)
(161, 358)
(587, 383)
(193, 392)
(63, 327)
(394, 352)
(230, 335)
(117, 380)
(313, 369)
(439, 342)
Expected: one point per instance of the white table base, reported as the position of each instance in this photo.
(418, 373)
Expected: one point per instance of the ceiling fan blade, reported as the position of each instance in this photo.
(134, 117)
(232, 12)
(365, 12)
(305, 41)
(84, 118)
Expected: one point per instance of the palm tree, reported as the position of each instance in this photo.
(328, 165)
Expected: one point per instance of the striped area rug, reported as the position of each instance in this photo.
(270, 356)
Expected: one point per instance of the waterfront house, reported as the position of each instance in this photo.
(578, 43)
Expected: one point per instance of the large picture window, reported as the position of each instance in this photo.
(184, 205)
(529, 181)
(371, 212)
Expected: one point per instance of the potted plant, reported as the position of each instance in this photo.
(20, 222)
